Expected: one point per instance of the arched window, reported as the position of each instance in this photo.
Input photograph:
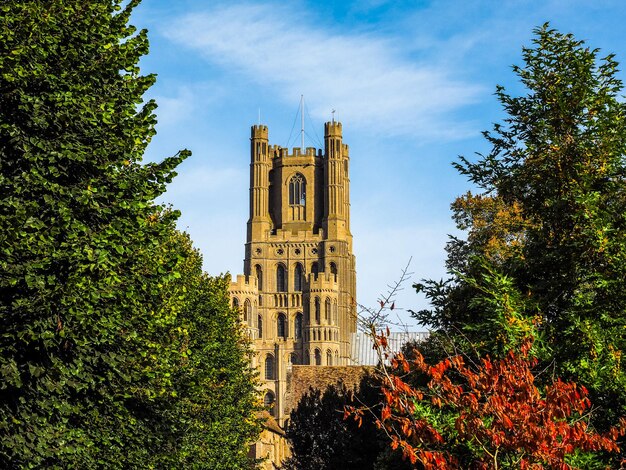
(318, 357)
(260, 326)
(327, 310)
(259, 276)
(281, 326)
(317, 310)
(333, 270)
(315, 269)
(329, 358)
(297, 190)
(297, 278)
(235, 303)
(247, 310)
(298, 326)
(336, 358)
(268, 401)
(281, 278)
(269, 367)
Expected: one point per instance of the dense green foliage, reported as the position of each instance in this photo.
(321, 438)
(114, 347)
(548, 230)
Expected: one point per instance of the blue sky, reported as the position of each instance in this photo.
(411, 81)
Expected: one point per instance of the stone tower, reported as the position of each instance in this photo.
(297, 293)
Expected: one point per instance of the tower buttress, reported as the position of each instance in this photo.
(334, 184)
(259, 223)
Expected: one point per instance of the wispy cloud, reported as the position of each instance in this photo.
(363, 76)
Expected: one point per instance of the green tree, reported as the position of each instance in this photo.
(96, 333)
(550, 222)
(213, 417)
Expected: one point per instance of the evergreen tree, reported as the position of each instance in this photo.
(95, 337)
(550, 224)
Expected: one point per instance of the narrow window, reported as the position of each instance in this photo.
(235, 303)
(247, 310)
(268, 401)
(259, 276)
(315, 270)
(281, 327)
(260, 326)
(333, 270)
(281, 285)
(317, 310)
(297, 278)
(298, 326)
(327, 310)
(329, 358)
(318, 357)
(269, 367)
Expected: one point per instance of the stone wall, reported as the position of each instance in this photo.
(301, 378)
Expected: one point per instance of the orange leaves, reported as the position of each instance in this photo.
(496, 406)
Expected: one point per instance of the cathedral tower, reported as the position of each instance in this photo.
(297, 293)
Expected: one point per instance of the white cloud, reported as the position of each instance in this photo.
(361, 75)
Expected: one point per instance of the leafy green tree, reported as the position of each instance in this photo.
(213, 417)
(96, 334)
(550, 222)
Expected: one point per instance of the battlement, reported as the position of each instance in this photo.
(259, 132)
(299, 236)
(324, 282)
(248, 284)
(276, 151)
(332, 129)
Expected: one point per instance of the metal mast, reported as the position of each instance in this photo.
(302, 122)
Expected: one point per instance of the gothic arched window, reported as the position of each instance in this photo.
(297, 190)
(269, 367)
(329, 358)
(293, 358)
(281, 326)
(281, 279)
(259, 276)
(298, 326)
(260, 326)
(235, 303)
(315, 269)
(333, 270)
(268, 401)
(317, 310)
(247, 310)
(318, 357)
(297, 278)
(327, 310)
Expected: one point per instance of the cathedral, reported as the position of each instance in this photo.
(297, 296)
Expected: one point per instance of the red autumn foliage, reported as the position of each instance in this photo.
(499, 411)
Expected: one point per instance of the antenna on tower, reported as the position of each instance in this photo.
(333, 113)
(302, 122)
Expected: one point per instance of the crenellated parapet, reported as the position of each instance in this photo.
(244, 294)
